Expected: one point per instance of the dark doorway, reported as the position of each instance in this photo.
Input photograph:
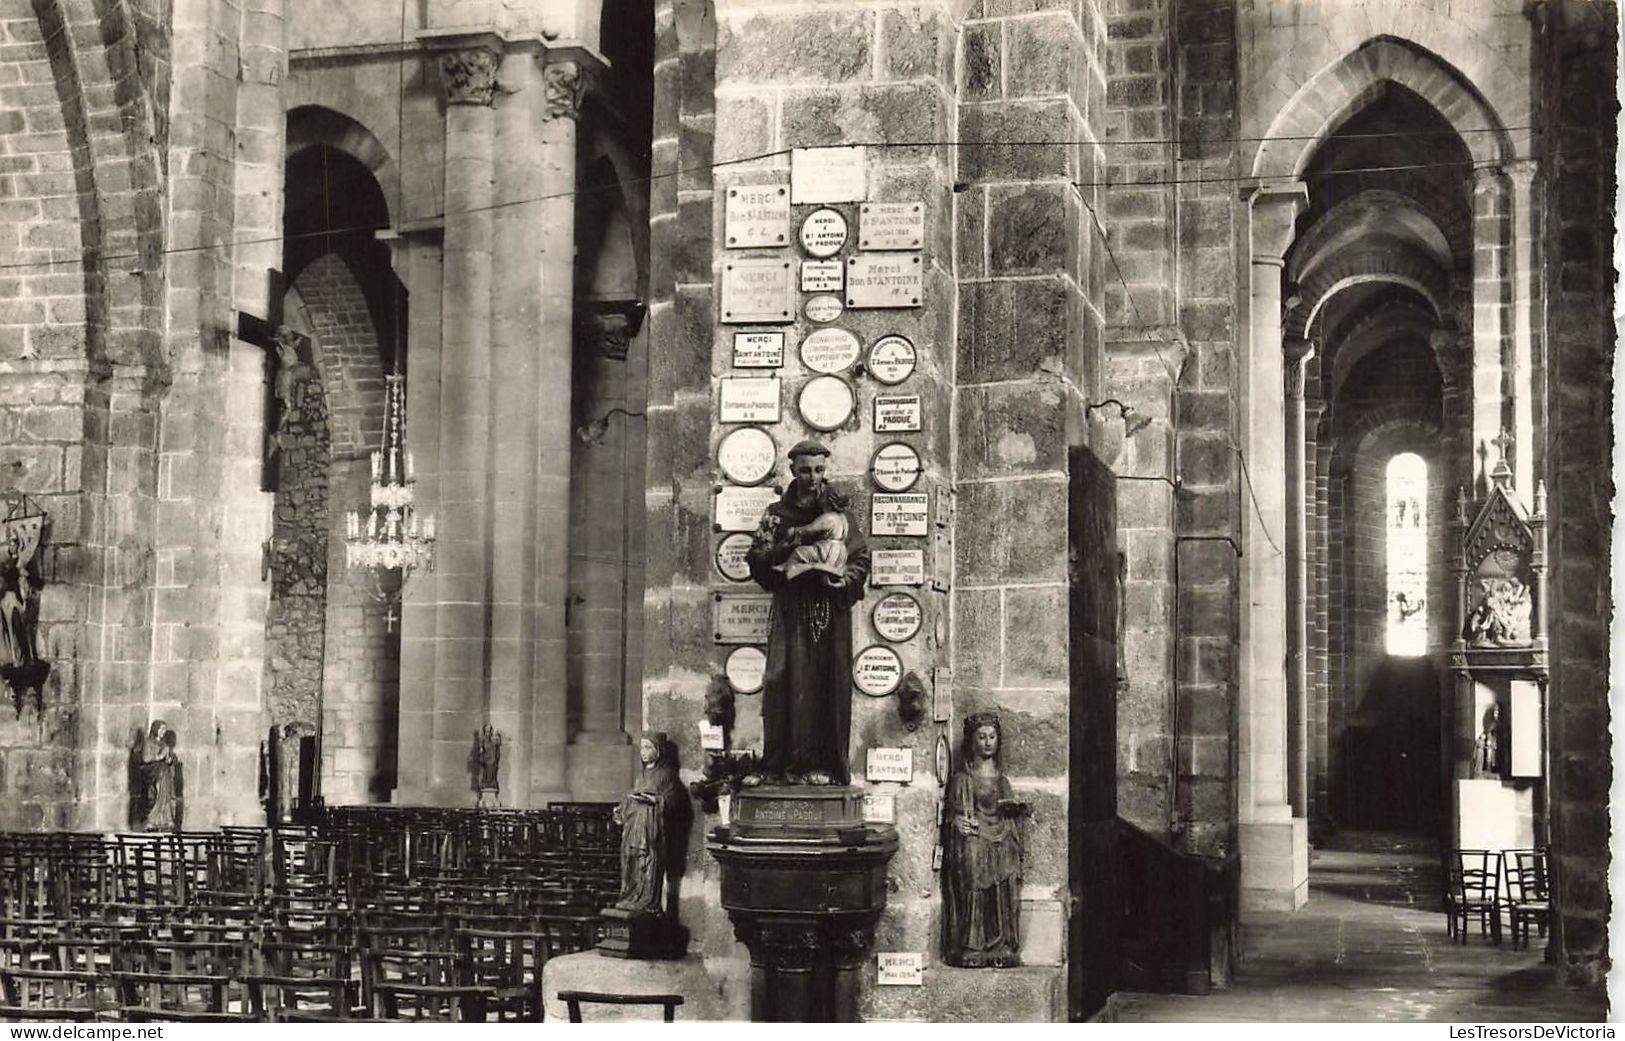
(1094, 596)
(1392, 749)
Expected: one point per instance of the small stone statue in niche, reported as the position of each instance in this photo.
(1488, 761)
(654, 818)
(485, 764)
(158, 790)
(982, 849)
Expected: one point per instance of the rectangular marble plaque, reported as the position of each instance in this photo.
(942, 695)
(712, 737)
(898, 413)
(748, 399)
(907, 514)
(741, 617)
(890, 764)
(827, 174)
(892, 567)
(1524, 729)
(879, 809)
(763, 350)
(891, 225)
(741, 509)
(900, 969)
(885, 280)
(758, 290)
(756, 215)
(821, 276)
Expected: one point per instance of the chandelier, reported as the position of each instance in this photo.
(390, 536)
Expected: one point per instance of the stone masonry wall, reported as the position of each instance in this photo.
(360, 666)
(1029, 361)
(1578, 171)
(676, 641)
(1171, 328)
(298, 552)
(79, 372)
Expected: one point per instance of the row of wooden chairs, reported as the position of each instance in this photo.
(377, 913)
(467, 974)
(1482, 884)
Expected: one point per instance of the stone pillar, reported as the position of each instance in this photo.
(1318, 463)
(1489, 322)
(598, 760)
(1297, 354)
(1274, 845)
(443, 670)
(1525, 287)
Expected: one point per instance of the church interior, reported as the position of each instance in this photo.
(1220, 392)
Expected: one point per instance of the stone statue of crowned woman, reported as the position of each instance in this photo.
(981, 854)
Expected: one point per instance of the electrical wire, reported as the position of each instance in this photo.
(1108, 185)
(1262, 524)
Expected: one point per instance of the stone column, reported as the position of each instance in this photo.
(1318, 460)
(1526, 447)
(1297, 354)
(559, 105)
(1274, 845)
(444, 670)
(1489, 321)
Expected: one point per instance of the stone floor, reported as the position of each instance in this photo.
(1371, 946)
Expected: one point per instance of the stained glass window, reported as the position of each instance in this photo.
(1407, 555)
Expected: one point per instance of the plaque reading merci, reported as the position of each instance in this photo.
(900, 968)
(890, 764)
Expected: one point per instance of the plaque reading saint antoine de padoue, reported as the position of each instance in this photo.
(748, 399)
(830, 350)
(730, 557)
(897, 413)
(740, 509)
(897, 567)
(906, 515)
(885, 280)
(741, 617)
(877, 670)
(756, 215)
(823, 233)
(897, 617)
(822, 276)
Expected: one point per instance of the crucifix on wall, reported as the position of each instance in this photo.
(287, 350)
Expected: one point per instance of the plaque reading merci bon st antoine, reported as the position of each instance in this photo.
(741, 617)
(756, 215)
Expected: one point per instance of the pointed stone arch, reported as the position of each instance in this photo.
(1346, 86)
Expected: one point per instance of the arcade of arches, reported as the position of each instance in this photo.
(1246, 256)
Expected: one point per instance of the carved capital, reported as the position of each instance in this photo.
(1522, 173)
(469, 75)
(1274, 214)
(1484, 179)
(1298, 353)
(609, 334)
(566, 85)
